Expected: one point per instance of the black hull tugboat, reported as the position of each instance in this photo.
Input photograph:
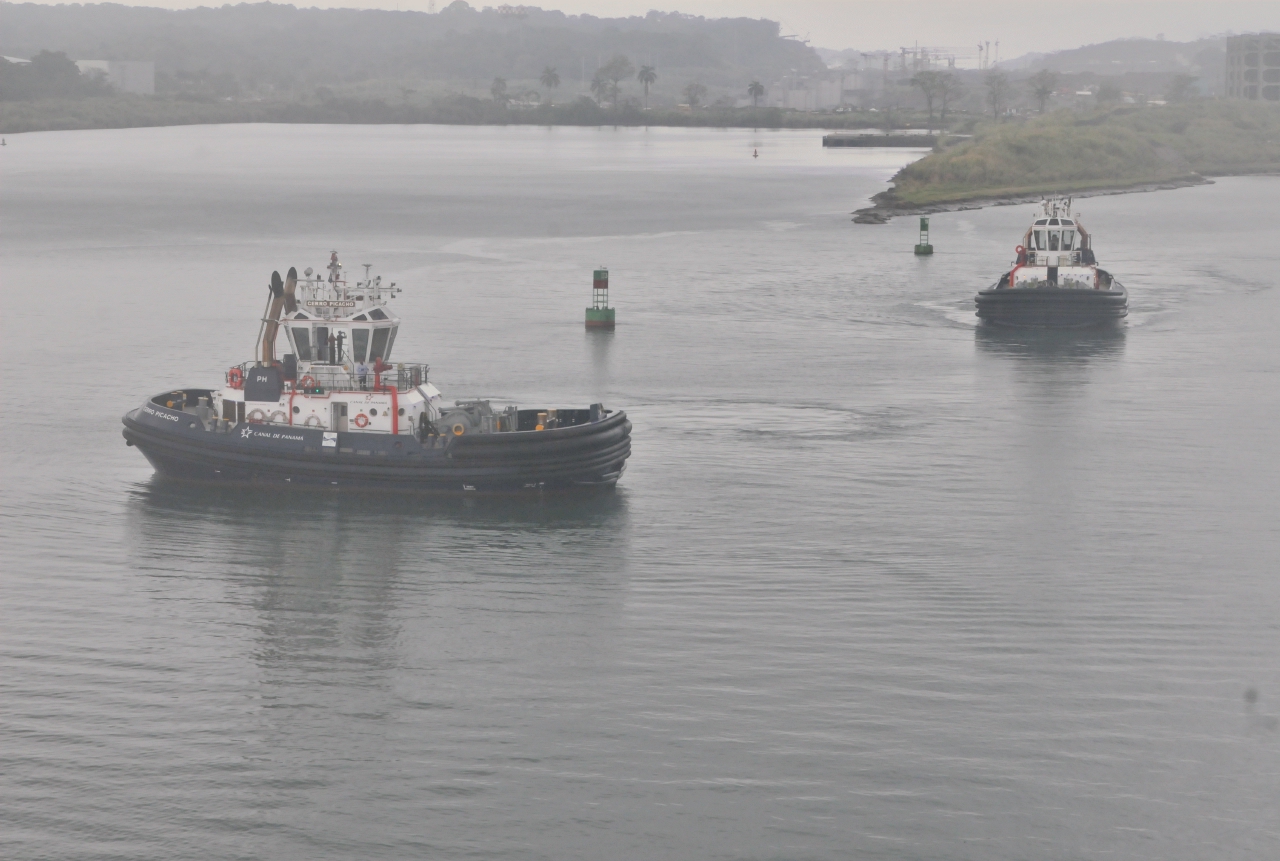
(1055, 282)
(336, 412)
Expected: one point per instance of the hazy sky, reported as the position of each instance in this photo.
(1019, 26)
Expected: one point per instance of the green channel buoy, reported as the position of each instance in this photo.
(923, 246)
(600, 315)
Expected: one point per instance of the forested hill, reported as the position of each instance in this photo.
(273, 46)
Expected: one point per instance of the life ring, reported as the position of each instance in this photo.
(308, 382)
(235, 378)
(278, 417)
(313, 422)
(361, 420)
(257, 416)
(459, 429)
(1019, 250)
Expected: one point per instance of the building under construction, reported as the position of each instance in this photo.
(1253, 67)
(864, 81)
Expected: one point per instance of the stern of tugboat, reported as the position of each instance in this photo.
(1052, 307)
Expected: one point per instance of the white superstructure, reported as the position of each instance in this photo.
(1056, 252)
(338, 375)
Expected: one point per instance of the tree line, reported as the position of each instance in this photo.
(606, 85)
(942, 89)
(268, 49)
(49, 75)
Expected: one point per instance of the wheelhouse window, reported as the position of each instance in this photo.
(1040, 246)
(1068, 238)
(377, 314)
(302, 342)
(322, 343)
(1053, 240)
(359, 342)
(379, 348)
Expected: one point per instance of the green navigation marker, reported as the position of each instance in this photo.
(923, 246)
(600, 315)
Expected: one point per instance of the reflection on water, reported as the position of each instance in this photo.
(1057, 344)
(347, 588)
(600, 347)
(307, 550)
(193, 504)
(377, 634)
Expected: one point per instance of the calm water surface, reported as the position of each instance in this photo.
(876, 584)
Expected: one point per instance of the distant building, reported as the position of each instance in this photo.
(803, 93)
(1253, 67)
(127, 76)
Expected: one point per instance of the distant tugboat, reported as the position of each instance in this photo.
(335, 412)
(1056, 282)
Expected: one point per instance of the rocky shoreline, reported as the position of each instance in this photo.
(886, 206)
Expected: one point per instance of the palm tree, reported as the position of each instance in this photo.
(647, 76)
(755, 90)
(600, 87)
(549, 78)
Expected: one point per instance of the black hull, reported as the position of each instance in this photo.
(572, 458)
(1052, 307)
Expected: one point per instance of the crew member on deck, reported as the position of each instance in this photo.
(362, 374)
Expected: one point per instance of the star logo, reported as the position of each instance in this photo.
(246, 433)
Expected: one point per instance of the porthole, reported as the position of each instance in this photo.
(373, 412)
(297, 410)
(402, 411)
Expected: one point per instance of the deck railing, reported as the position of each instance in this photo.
(401, 376)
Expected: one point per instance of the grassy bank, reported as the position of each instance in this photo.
(1070, 151)
(139, 111)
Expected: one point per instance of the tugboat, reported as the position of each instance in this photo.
(1055, 282)
(337, 412)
